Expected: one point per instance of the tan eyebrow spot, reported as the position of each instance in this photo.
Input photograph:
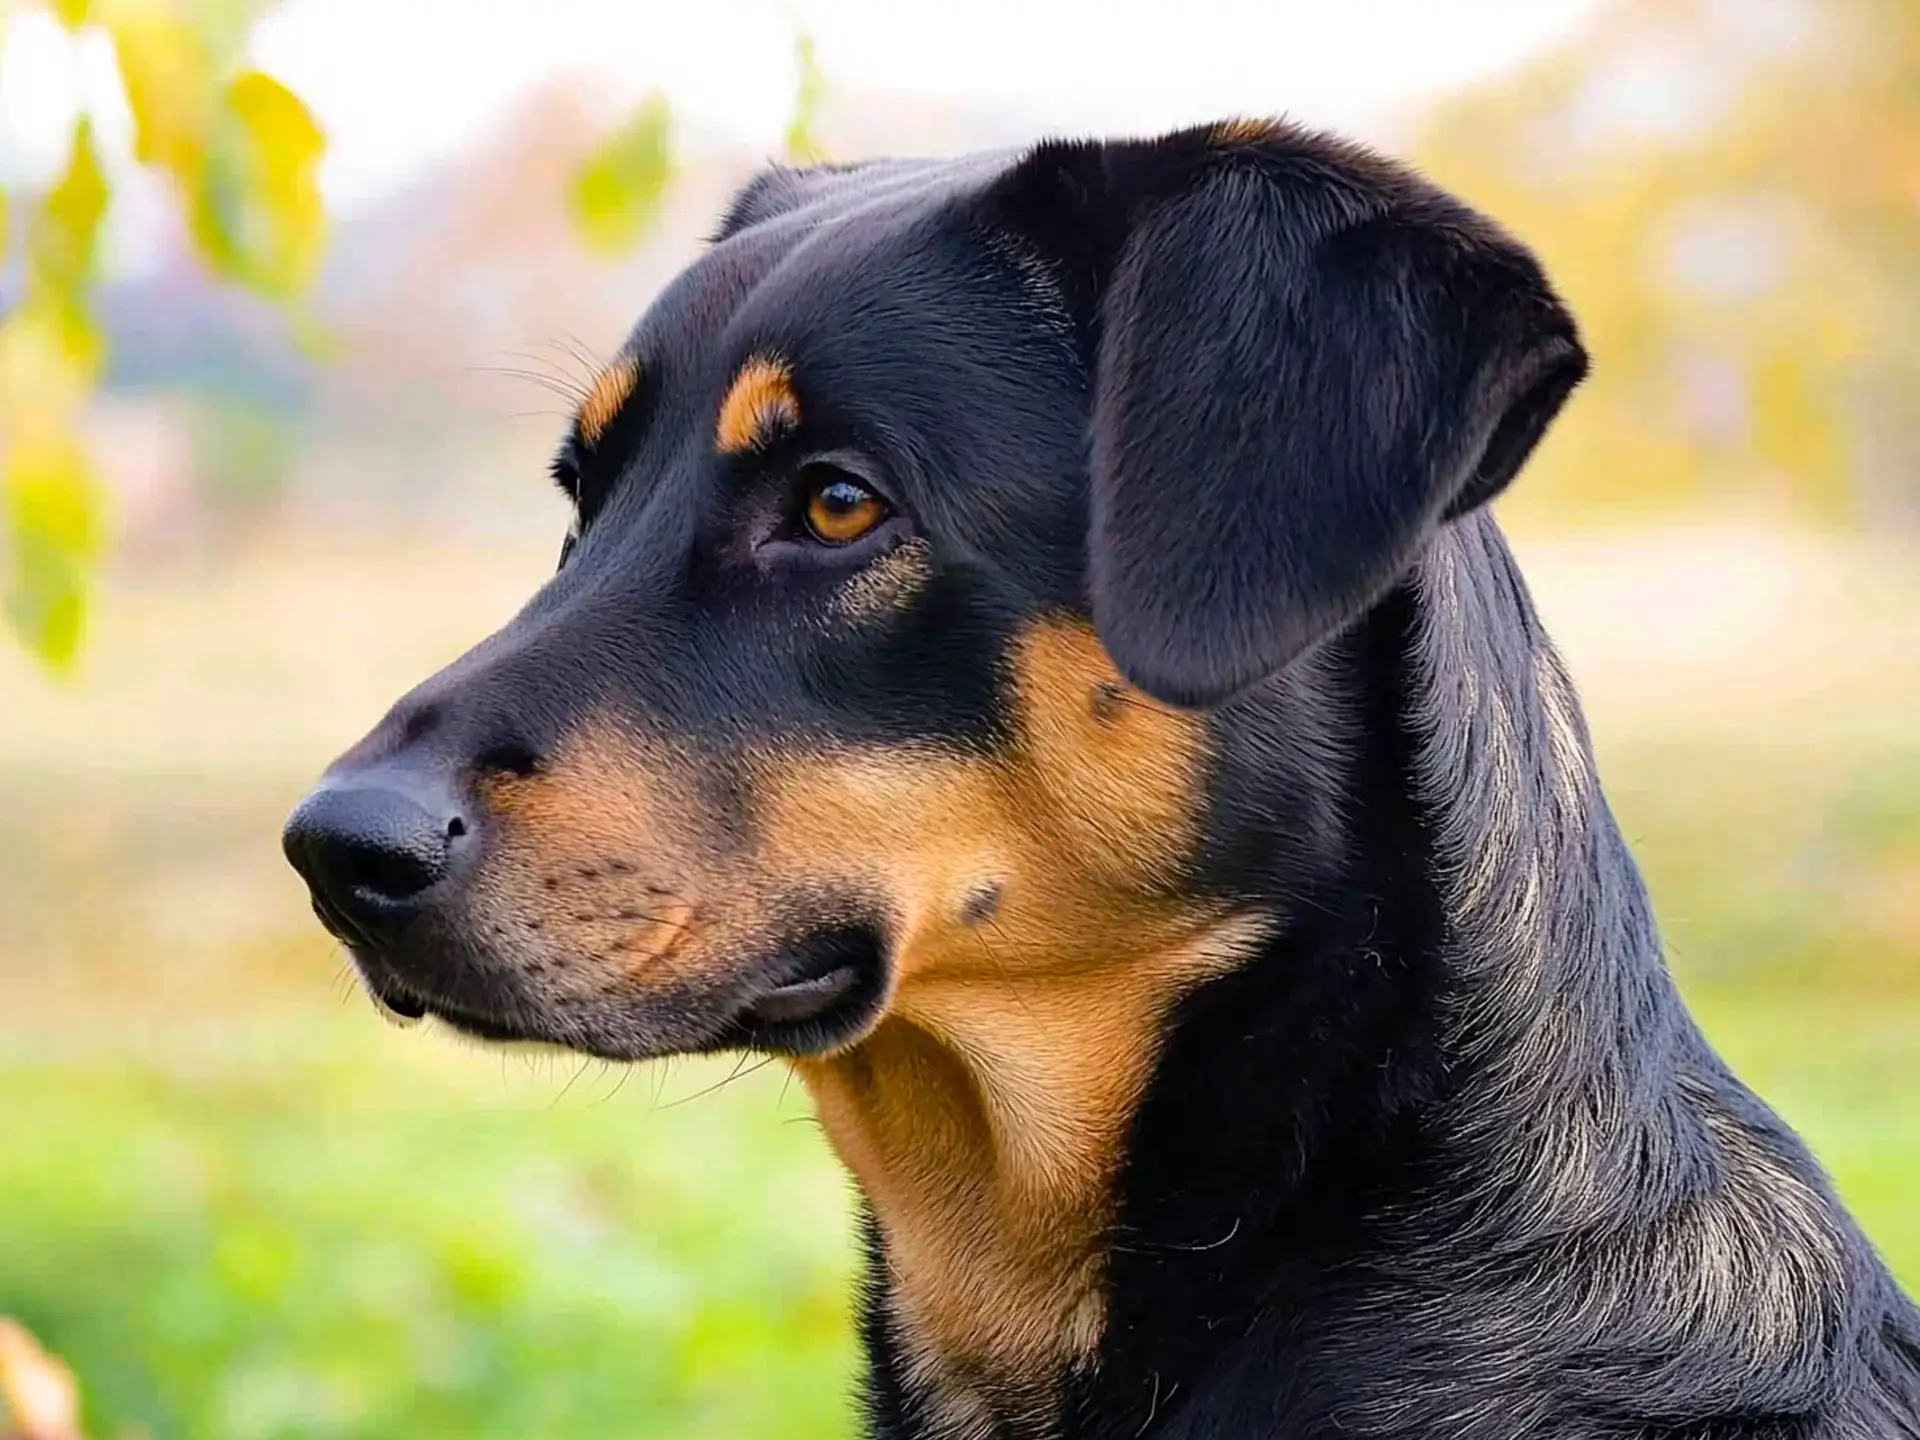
(611, 389)
(760, 401)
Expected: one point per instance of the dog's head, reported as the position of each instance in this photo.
(925, 528)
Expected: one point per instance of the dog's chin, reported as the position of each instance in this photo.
(812, 997)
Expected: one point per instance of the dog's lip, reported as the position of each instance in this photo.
(824, 993)
(476, 1023)
(336, 924)
(406, 1008)
(404, 1005)
(802, 1000)
(398, 1007)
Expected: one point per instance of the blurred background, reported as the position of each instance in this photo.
(291, 301)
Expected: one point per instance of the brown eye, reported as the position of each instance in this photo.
(839, 509)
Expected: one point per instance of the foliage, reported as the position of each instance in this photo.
(618, 188)
(330, 1239)
(49, 356)
(1726, 194)
(242, 154)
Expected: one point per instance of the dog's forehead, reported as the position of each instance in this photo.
(823, 193)
(797, 242)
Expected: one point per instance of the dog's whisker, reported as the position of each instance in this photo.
(547, 365)
(564, 388)
(580, 1070)
(738, 1073)
(626, 1074)
(569, 347)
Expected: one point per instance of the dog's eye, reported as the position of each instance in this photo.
(836, 507)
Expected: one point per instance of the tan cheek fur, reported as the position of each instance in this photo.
(1040, 939)
(985, 1114)
(588, 882)
(886, 587)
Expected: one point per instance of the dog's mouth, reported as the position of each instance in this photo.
(404, 1003)
(403, 1008)
(814, 996)
(823, 993)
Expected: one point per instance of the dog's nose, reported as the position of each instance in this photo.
(371, 851)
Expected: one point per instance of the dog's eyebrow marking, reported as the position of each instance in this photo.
(759, 403)
(611, 389)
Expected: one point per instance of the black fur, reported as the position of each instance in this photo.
(1309, 353)
(1447, 1159)
(1496, 1184)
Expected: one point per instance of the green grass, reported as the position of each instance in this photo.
(243, 1209)
(299, 1230)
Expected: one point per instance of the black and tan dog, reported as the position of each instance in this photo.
(1030, 653)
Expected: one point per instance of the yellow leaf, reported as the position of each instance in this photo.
(803, 144)
(168, 73)
(50, 357)
(51, 493)
(54, 531)
(71, 13)
(50, 349)
(616, 193)
(257, 214)
(66, 233)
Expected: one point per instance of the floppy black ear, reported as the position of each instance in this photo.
(1306, 359)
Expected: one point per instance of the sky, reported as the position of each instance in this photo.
(399, 84)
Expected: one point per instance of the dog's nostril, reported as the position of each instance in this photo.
(389, 874)
(367, 850)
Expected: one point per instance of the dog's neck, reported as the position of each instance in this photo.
(986, 1141)
(1476, 1079)
(1473, 987)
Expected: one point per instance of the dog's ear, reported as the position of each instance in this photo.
(1305, 359)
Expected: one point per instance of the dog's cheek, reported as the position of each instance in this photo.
(1042, 854)
(594, 877)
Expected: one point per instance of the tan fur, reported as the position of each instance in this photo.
(760, 400)
(1040, 935)
(611, 389)
(984, 1115)
(888, 585)
(589, 869)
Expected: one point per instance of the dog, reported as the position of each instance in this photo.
(1031, 651)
